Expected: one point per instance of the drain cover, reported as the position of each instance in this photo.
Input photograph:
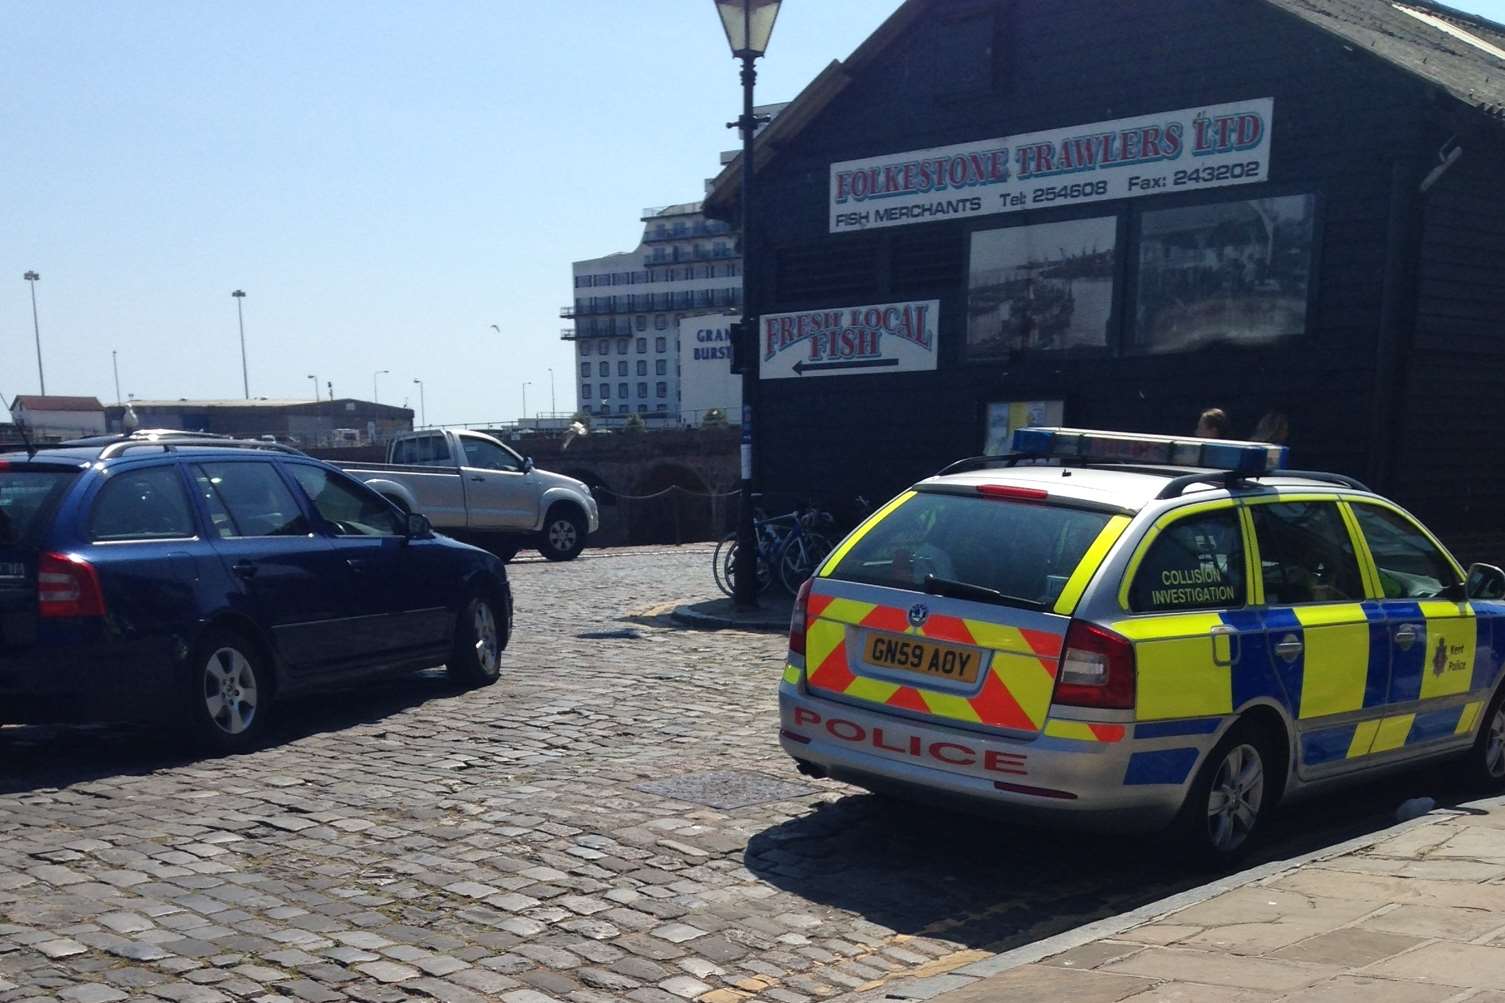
(627, 634)
(725, 789)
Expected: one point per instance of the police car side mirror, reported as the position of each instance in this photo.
(1485, 581)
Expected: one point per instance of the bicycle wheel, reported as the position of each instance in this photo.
(800, 557)
(721, 566)
(728, 569)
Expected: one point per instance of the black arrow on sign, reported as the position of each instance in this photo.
(802, 367)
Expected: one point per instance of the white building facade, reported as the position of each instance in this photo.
(628, 308)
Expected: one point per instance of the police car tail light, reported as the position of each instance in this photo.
(68, 586)
(799, 618)
(1097, 669)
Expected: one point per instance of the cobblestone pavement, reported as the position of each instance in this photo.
(407, 841)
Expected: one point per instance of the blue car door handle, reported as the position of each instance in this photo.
(245, 569)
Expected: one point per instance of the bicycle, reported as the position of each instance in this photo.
(788, 548)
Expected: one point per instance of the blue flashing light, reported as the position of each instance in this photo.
(1250, 458)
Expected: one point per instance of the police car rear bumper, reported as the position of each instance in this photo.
(1059, 781)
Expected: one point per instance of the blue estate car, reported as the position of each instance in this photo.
(192, 581)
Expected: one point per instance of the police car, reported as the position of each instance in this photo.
(1141, 631)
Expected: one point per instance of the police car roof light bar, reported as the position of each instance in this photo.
(1248, 459)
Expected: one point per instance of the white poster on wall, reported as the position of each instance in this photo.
(1208, 147)
(706, 381)
(849, 340)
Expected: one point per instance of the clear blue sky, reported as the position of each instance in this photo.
(386, 181)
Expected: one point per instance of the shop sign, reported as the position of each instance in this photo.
(1208, 147)
(848, 341)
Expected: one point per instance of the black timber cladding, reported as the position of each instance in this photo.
(1344, 119)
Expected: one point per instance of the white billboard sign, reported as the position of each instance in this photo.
(1210, 147)
(848, 341)
(705, 368)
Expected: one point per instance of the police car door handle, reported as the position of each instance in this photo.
(1405, 636)
(1289, 647)
(1223, 638)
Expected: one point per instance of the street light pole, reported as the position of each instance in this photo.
(553, 405)
(32, 277)
(375, 389)
(423, 408)
(749, 26)
(115, 365)
(316, 386)
(245, 376)
(526, 385)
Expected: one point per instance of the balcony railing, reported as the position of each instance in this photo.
(567, 312)
(660, 232)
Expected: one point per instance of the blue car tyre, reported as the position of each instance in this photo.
(229, 692)
(477, 658)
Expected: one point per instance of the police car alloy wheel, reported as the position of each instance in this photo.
(1490, 749)
(1235, 798)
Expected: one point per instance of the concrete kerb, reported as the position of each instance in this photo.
(772, 618)
(966, 975)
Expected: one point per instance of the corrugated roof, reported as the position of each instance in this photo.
(1443, 46)
(1469, 72)
(50, 403)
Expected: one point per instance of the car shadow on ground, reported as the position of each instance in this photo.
(36, 757)
(991, 884)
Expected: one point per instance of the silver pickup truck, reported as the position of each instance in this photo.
(472, 486)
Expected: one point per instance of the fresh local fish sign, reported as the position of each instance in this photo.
(851, 340)
(1210, 147)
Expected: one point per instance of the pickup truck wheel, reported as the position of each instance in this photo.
(477, 658)
(563, 535)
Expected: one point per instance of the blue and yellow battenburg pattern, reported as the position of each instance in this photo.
(1443, 679)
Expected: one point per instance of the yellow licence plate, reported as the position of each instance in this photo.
(907, 654)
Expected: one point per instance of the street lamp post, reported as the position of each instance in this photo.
(32, 277)
(526, 385)
(115, 365)
(375, 389)
(423, 408)
(749, 26)
(245, 376)
(553, 404)
(316, 386)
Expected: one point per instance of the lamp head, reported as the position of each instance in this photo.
(748, 24)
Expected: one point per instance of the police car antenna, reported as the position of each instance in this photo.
(31, 450)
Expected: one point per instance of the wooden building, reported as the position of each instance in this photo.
(1114, 214)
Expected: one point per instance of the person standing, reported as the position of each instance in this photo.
(1213, 424)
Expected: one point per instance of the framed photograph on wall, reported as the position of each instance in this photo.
(1004, 418)
(1044, 287)
(1236, 272)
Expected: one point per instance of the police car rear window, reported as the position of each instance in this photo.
(1020, 549)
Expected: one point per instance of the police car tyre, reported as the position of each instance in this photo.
(228, 692)
(1230, 798)
(477, 658)
(563, 534)
(1488, 756)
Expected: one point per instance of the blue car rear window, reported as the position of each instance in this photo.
(27, 498)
